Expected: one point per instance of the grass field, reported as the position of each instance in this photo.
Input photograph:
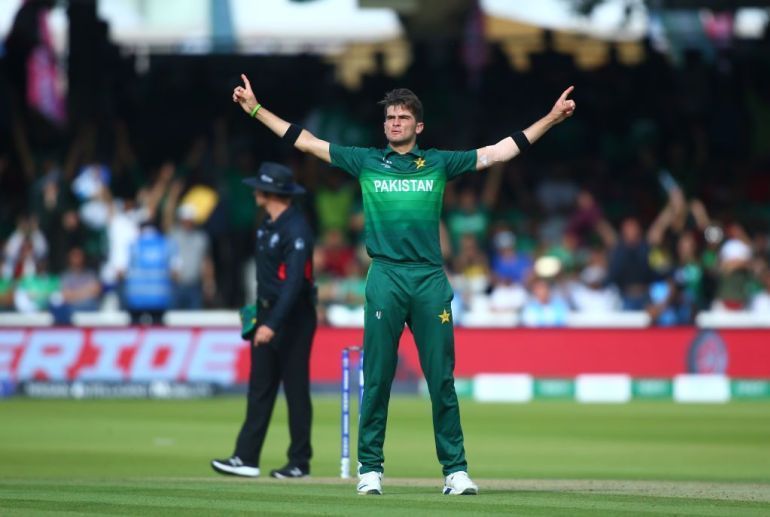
(546, 458)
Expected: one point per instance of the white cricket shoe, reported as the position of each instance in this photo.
(458, 483)
(370, 483)
(233, 466)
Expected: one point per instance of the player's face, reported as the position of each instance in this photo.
(400, 126)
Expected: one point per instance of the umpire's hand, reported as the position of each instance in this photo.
(264, 335)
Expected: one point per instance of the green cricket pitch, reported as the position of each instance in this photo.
(546, 458)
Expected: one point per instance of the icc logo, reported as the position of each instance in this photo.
(707, 354)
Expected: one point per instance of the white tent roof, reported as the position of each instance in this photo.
(606, 22)
(286, 26)
(267, 25)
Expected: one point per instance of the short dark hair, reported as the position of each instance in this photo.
(406, 98)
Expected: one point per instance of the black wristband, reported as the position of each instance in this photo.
(292, 134)
(521, 141)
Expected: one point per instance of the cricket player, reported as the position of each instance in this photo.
(403, 187)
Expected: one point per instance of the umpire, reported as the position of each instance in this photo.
(285, 324)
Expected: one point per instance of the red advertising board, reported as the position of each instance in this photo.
(219, 355)
(656, 352)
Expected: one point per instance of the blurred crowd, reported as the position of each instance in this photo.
(653, 198)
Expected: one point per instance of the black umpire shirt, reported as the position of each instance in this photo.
(284, 266)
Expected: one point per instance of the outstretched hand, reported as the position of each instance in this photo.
(244, 95)
(564, 107)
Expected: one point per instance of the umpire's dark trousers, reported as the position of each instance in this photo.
(285, 359)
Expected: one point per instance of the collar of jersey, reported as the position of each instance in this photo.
(281, 218)
(414, 151)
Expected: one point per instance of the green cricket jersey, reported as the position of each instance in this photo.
(403, 196)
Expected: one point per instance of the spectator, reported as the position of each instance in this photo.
(338, 254)
(591, 293)
(556, 194)
(25, 250)
(629, 268)
(469, 213)
(80, 289)
(587, 221)
(662, 306)
(734, 273)
(91, 188)
(34, 290)
(122, 232)
(193, 269)
(231, 225)
(688, 278)
(567, 252)
(469, 276)
(334, 201)
(471, 266)
(55, 210)
(678, 217)
(471, 217)
(508, 266)
(352, 289)
(543, 308)
(148, 291)
(708, 258)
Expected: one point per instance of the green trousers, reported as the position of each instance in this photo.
(419, 296)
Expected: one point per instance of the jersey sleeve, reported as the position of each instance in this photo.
(349, 159)
(457, 163)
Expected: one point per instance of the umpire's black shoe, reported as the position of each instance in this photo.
(290, 472)
(233, 466)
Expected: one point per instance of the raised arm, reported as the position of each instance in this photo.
(510, 146)
(305, 142)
